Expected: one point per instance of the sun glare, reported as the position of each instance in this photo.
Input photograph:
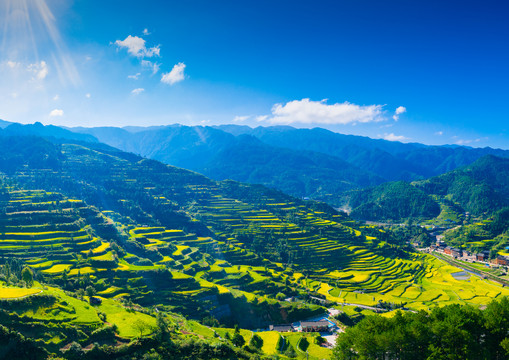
(30, 35)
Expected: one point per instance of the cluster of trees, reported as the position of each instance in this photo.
(15, 272)
(450, 332)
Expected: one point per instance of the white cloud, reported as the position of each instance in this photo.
(439, 133)
(470, 141)
(134, 77)
(56, 112)
(56, 97)
(136, 46)
(40, 70)
(400, 110)
(145, 32)
(175, 75)
(392, 137)
(13, 64)
(88, 96)
(240, 118)
(306, 111)
(137, 91)
(153, 66)
(262, 117)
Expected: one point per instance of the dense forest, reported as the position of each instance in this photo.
(450, 332)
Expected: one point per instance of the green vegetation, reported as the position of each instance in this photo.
(451, 332)
(480, 188)
(118, 255)
(490, 234)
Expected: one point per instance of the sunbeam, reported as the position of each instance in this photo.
(30, 35)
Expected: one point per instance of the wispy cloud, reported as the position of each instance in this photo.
(306, 111)
(56, 112)
(400, 110)
(88, 96)
(137, 91)
(134, 77)
(468, 141)
(393, 137)
(146, 32)
(238, 119)
(39, 70)
(439, 133)
(136, 46)
(153, 66)
(175, 75)
(262, 118)
(13, 64)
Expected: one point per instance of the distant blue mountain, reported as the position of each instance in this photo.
(314, 163)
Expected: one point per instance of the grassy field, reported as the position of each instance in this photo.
(130, 323)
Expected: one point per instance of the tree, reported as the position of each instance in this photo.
(80, 293)
(90, 291)
(141, 326)
(256, 341)
(237, 339)
(28, 276)
(290, 351)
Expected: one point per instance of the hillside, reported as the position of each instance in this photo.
(479, 189)
(394, 201)
(156, 243)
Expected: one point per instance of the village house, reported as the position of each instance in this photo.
(483, 256)
(314, 326)
(468, 256)
(456, 252)
(500, 260)
(448, 250)
(281, 328)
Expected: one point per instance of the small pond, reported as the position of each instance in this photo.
(461, 275)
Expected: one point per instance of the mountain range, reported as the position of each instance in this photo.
(307, 163)
(314, 163)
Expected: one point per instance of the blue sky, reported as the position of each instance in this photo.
(434, 72)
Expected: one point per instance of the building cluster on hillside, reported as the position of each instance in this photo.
(483, 256)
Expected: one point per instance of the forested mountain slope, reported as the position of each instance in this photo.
(480, 188)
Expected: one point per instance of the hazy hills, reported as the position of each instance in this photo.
(37, 129)
(313, 163)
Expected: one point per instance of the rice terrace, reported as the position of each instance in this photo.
(256, 180)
